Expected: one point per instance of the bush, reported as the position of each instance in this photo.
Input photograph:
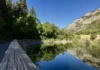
(93, 36)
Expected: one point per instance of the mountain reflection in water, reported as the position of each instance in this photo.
(64, 62)
(55, 57)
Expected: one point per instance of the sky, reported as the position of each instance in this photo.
(62, 12)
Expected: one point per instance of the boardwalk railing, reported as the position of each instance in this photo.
(16, 59)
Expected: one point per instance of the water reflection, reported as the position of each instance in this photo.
(45, 52)
(53, 57)
(64, 62)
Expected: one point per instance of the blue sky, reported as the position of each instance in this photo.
(62, 12)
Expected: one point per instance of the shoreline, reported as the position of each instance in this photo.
(39, 42)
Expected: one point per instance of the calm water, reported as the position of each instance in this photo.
(52, 58)
(55, 57)
(64, 62)
(3, 48)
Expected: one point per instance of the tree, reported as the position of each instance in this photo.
(10, 8)
(24, 7)
(9, 3)
(21, 8)
(39, 28)
(49, 30)
(16, 22)
(3, 9)
(32, 12)
(93, 36)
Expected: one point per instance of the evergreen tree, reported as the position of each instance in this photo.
(9, 7)
(24, 7)
(9, 3)
(32, 12)
(3, 9)
(15, 22)
(21, 8)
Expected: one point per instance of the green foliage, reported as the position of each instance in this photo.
(2, 24)
(93, 36)
(17, 23)
(4, 10)
(63, 35)
(49, 30)
(39, 28)
(9, 3)
(32, 12)
(26, 28)
(21, 8)
(45, 52)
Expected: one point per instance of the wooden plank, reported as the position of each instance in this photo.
(16, 59)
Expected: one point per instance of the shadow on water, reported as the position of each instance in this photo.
(55, 57)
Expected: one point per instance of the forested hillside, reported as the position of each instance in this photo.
(18, 22)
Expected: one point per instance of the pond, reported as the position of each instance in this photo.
(64, 62)
(55, 57)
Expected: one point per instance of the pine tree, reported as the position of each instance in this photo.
(32, 12)
(24, 6)
(9, 7)
(2, 4)
(3, 9)
(21, 8)
(9, 3)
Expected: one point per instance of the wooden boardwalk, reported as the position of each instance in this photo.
(16, 59)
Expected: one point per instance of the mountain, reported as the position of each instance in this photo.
(88, 23)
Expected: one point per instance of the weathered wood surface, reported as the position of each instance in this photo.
(16, 59)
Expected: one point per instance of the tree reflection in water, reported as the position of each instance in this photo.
(45, 51)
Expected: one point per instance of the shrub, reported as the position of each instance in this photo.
(93, 36)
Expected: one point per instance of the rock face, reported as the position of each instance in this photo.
(83, 22)
(16, 59)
